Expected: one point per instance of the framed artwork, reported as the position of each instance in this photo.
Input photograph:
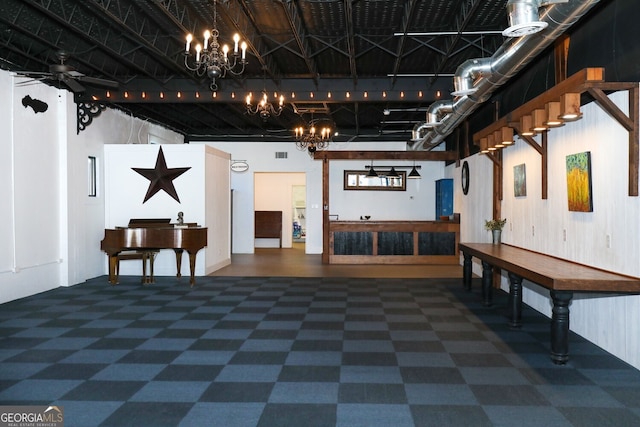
(579, 193)
(520, 180)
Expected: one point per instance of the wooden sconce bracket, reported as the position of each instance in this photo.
(630, 123)
(590, 80)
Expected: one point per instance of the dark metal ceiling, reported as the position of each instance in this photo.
(349, 61)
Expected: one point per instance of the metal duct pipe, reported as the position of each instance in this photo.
(523, 18)
(437, 110)
(510, 58)
(469, 73)
(418, 129)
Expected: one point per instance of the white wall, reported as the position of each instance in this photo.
(417, 203)
(612, 322)
(50, 230)
(274, 192)
(125, 192)
(261, 158)
(217, 209)
(31, 183)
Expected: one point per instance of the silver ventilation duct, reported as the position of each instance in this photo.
(523, 18)
(478, 83)
(417, 133)
(437, 111)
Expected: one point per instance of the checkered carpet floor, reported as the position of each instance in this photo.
(236, 351)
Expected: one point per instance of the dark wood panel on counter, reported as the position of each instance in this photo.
(394, 242)
(438, 243)
(357, 243)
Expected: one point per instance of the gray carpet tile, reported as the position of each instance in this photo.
(270, 351)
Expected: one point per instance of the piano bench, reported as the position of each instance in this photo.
(149, 255)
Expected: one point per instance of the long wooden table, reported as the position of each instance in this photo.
(561, 277)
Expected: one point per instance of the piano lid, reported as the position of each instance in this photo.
(141, 222)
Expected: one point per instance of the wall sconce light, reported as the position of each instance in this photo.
(538, 117)
(484, 147)
(553, 112)
(491, 142)
(506, 135)
(497, 139)
(526, 126)
(570, 107)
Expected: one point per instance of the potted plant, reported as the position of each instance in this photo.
(495, 226)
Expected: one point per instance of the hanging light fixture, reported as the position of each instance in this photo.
(392, 173)
(312, 138)
(264, 107)
(414, 174)
(372, 173)
(210, 61)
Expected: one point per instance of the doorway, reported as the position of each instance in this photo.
(285, 192)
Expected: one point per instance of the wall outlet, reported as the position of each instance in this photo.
(533, 230)
(564, 235)
(608, 240)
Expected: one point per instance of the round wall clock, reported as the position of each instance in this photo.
(465, 177)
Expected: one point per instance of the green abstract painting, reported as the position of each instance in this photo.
(520, 180)
(579, 193)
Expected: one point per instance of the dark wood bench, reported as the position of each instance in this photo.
(268, 225)
(147, 256)
(561, 277)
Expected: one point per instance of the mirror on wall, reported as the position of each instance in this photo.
(360, 180)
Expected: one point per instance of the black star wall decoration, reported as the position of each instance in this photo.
(161, 177)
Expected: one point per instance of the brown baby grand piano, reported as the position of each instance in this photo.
(147, 235)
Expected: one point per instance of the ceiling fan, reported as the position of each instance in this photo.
(67, 75)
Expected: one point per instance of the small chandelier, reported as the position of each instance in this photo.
(312, 138)
(264, 107)
(210, 61)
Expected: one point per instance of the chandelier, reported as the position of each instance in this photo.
(210, 61)
(264, 107)
(313, 138)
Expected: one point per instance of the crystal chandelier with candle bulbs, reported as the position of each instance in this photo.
(312, 138)
(210, 61)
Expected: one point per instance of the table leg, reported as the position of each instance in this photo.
(560, 326)
(487, 283)
(178, 261)
(466, 271)
(515, 300)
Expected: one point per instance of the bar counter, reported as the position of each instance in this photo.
(394, 242)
